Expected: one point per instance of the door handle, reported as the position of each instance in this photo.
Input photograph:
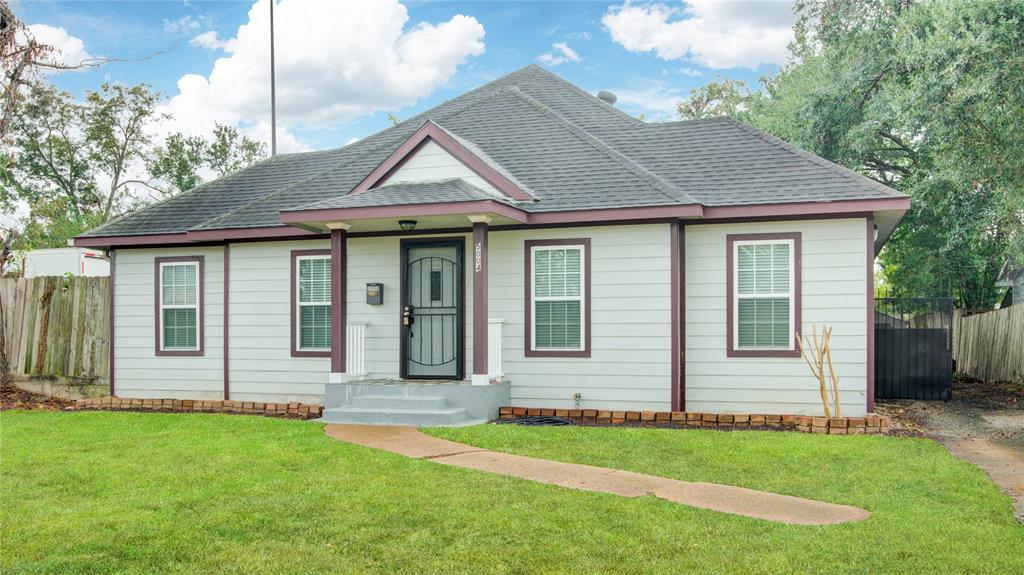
(407, 317)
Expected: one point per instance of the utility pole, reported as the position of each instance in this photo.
(273, 94)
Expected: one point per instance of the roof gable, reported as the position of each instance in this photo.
(431, 133)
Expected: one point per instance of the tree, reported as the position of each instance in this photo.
(63, 148)
(116, 120)
(21, 59)
(229, 151)
(927, 98)
(51, 163)
(723, 97)
(179, 161)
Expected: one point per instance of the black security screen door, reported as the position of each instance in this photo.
(432, 310)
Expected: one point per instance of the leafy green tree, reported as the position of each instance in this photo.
(62, 149)
(228, 151)
(116, 121)
(181, 159)
(927, 98)
(723, 97)
(177, 163)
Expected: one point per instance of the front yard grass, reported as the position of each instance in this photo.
(96, 492)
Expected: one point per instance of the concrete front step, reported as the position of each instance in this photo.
(397, 416)
(394, 402)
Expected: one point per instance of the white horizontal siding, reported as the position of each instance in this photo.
(259, 355)
(139, 372)
(834, 292)
(376, 260)
(629, 367)
(432, 163)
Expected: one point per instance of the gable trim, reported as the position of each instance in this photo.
(431, 132)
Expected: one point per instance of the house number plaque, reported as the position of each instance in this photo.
(478, 255)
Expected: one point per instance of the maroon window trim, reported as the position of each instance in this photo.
(528, 275)
(200, 304)
(730, 240)
(296, 254)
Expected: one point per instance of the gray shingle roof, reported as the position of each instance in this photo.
(566, 147)
(439, 192)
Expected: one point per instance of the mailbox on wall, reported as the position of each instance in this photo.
(375, 294)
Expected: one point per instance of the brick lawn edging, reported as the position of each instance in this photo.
(293, 410)
(869, 424)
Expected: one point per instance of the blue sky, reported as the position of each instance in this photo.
(343, 66)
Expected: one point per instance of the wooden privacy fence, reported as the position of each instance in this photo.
(56, 326)
(990, 345)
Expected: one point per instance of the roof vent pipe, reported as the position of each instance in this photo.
(607, 97)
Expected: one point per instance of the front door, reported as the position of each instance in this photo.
(432, 302)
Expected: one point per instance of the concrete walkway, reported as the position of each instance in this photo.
(411, 442)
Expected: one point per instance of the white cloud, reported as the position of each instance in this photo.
(208, 40)
(187, 24)
(715, 34)
(335, 61)
(68, 50)
(656, 101)
(684, 71)
(560, 54)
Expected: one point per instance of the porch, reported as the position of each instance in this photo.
(415, 403)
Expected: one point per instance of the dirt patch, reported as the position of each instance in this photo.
(996, 394)
(13, 397)
(902, 424)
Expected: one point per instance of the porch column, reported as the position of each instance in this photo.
(480, 313)
(339, 276)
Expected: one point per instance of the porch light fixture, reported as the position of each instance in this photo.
(407, 225)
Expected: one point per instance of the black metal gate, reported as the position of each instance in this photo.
(913, 348)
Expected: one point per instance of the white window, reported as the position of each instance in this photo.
(558, 288)
(763, 294)
(313, 302)
(179, 306)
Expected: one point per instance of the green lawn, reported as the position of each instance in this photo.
(96, 492)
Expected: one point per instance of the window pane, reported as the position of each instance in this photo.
(745, 268)
(763, 267)
(315, 327)
(180, 329)
(780, 268)
(573, 269)
(315, 280)
(178, 284)
(763, 323)
(558, 324)
(781, 336)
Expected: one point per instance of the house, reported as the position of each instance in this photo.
(1012, 279)
(60, 261)
(523, 244)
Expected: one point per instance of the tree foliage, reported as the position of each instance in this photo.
(180, 161)
(925, 97)
(63, 150)
(228, 151)
(723, 97)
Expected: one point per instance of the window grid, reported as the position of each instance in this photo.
(558, 296)
(179, 306)
(313, 299)
(764, 294)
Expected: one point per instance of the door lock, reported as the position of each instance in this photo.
(407, 317)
